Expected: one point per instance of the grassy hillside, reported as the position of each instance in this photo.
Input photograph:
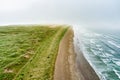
(29, 53)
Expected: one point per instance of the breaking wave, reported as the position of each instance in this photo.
(102, 52)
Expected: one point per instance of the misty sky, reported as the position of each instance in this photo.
(87, 13)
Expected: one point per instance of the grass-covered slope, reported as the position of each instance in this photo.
(29, 53)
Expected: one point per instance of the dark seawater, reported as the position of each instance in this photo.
(102, 50)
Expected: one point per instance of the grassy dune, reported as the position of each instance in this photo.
(29, 53)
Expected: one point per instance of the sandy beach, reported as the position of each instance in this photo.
(69, 65)
(65, 68)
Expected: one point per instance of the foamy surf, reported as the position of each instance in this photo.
(101, 51)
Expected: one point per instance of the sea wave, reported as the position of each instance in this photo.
(114, 44)
(102, 52)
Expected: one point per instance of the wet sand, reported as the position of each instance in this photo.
(71, 66)
(84, 67)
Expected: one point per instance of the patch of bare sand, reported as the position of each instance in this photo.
(65, 67)
(8, 71)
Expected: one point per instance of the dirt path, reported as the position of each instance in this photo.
(65, 68)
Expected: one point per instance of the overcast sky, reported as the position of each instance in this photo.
(87, 13)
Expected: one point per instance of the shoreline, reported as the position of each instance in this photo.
(69, 64)
(84, 68)
(65, 67)
(62, 65)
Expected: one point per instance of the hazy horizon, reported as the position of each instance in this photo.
(97, 14)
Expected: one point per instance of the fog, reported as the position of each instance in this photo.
(97, 14)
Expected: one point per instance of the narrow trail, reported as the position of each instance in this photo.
(65, 67)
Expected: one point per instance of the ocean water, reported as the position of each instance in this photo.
(102, 50)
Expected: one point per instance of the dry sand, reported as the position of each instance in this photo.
(67, 66)
(65, 63)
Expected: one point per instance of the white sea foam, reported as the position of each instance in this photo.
(116, 72)
(111, 51)
(98, 45)
(115, 59)
(114, 44)
(117, 62)
(92, 41)
(108, 54)
(100, 49)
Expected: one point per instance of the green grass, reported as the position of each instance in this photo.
(29, 53)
